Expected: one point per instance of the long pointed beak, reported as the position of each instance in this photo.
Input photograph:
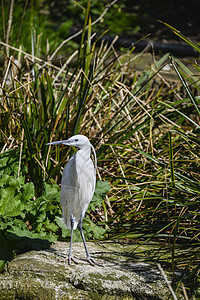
(65, 142)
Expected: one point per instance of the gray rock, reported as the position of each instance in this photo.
(40, 275)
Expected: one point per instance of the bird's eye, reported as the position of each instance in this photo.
(76, 140)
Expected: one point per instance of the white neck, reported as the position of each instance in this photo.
(84, 153)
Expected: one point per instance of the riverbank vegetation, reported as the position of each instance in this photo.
(145, 129)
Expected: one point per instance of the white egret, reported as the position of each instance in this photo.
(77, 187)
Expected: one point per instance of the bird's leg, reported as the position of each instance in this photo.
(88, 258)
(70, 257)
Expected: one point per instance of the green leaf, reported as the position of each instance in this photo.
(28, 191)
(9, 163)
(184, 38)
(102, 187)
(61, 224)
(4, 180)
(2, 263)
(160, 163)
(20, 233)
(179, 112)
(10, 205)
(5, 223)
(50, 225)
(92, 230)
(51, 190)
(192, 98)
(171, 160)
(96, 202)
(41, 217)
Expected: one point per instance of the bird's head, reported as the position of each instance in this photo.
(79, 141)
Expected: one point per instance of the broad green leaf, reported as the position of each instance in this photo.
(20, 233)
(61, 224)
(50, 225)
(10, 205)
(41, 217)
(51, 189)
(27, 191)
(102, 187)
(4, 180)
(96, 202)
(92, 230)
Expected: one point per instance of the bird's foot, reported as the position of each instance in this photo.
(92, 261)
(69, 259)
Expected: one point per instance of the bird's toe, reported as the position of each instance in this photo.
(92, 261)
(70, 259)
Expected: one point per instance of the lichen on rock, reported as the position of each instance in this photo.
(42, 275)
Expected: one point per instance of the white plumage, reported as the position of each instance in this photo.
(78, 183)
(77, 187)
